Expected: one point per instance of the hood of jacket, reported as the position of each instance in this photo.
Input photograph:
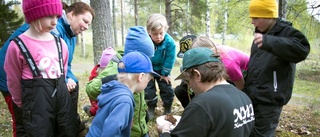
(111, 90)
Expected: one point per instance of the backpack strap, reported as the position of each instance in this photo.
(26, 54)
(59, 47)
(115, 58)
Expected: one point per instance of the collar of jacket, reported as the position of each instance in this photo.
(66, 24)
(276, 28)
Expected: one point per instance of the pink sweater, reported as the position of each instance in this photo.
(45, 55)
(234, 60)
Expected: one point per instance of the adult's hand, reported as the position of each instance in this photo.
(71, 84)
(165, 127)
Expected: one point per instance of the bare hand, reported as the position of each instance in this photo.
(165, 126)
(166, 78)
(258, 38)
(71, 84)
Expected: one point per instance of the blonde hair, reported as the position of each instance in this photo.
(37, 25)
(203, 41)
(156, 22)
(128, 79)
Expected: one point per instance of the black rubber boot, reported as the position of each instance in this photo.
(167, 110)
(151, 112)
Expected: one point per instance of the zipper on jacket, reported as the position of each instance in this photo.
(163, 53)
(275, 83)
(139, 117)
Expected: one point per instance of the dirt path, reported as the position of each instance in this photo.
(82, 68)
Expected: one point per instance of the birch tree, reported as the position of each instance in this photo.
(207, 20)
(283, 9)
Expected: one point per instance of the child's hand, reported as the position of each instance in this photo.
(166, 78)
(258, 38)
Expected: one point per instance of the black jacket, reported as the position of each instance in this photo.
(223, 111)
(272, 67)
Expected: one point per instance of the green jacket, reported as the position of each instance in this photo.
(93, 86)
(139, 127)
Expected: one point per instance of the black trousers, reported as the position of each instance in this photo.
(166, 92)
(74, 99)
(266, 120)
(18, 115)
(47, 108)
(181, 92)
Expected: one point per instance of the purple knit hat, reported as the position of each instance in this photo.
(106, 56)
(36, 9)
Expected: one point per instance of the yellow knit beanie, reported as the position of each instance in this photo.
(263, 9)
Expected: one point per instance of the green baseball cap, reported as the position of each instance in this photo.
(195, 57)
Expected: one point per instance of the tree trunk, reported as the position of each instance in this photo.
(283, 9)
(169, 15)
(83, 46)
(114, 22)
(102, 33)
(225, 24)
(122, 24)
(208, 20)
(80, 39)
(136, 12)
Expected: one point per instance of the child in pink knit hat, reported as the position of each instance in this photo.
(36, 66)
(106, 56)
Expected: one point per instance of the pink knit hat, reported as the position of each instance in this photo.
(106, 56)
(36, 9)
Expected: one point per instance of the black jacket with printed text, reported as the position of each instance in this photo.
(223, 111)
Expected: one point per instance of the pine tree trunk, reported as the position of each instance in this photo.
(114, 22)
(122, 24)
(102, 31)
(136, 12)
(168, 16)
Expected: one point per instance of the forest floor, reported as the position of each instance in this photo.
(299, 118)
